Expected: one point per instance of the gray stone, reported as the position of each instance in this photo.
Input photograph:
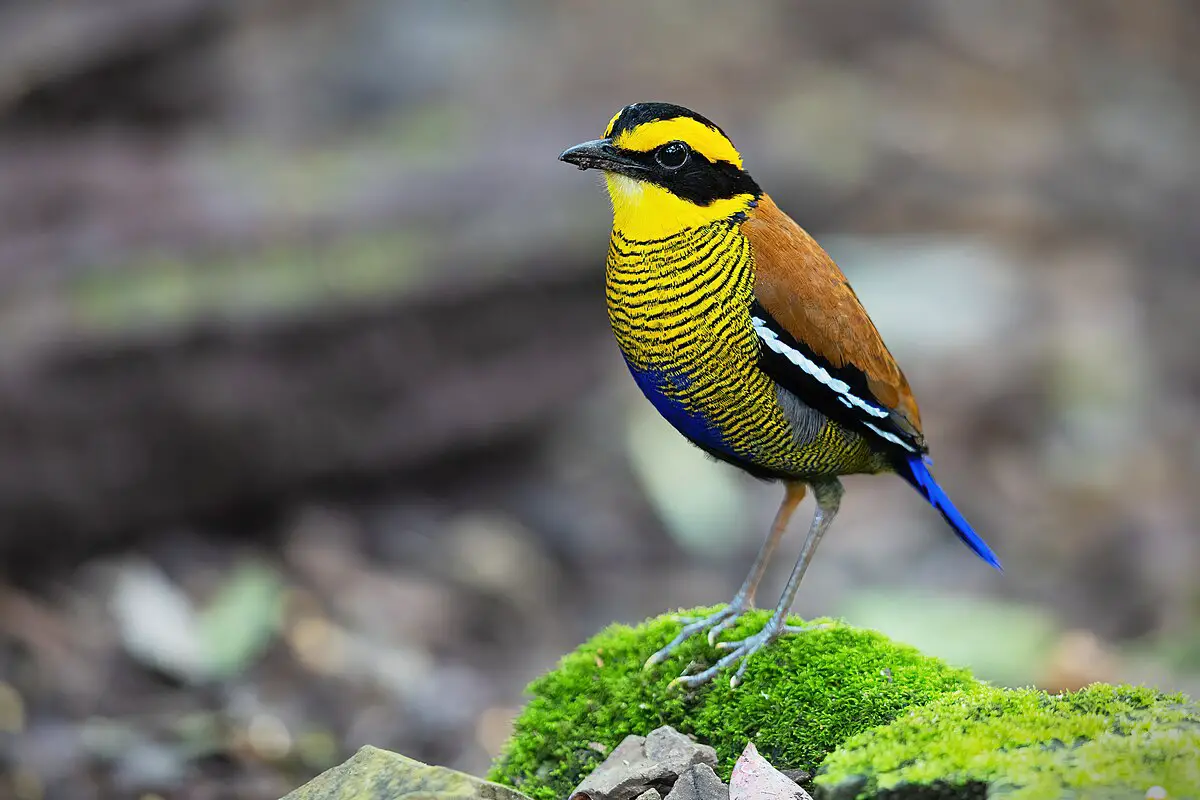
(699, 782)
(624, 775)
(677, 752)
(640, 762)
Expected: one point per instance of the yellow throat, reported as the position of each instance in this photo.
(643, 211)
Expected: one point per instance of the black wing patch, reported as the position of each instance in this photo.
(842, 394)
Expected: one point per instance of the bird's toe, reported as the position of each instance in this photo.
(690, 629)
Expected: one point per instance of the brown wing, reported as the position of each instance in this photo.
(806, 294)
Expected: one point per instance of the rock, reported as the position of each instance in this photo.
(624, 774)
(699, 783)
(797, 775)
(638, 763)
(374, 774)
(677, 752)
(754, 778)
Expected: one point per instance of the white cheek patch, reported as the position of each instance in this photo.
(623, 188)
(839, 387)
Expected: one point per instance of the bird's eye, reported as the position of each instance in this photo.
(672, 155)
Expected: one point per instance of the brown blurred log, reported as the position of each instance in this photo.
(99, 438)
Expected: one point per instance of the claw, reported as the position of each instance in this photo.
(716, 630)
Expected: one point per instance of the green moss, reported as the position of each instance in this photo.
(801, 698)
(1102, 742)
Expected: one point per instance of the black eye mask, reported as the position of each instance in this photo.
(698, 180)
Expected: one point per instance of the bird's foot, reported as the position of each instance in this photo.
(714, 623)
(742, 651)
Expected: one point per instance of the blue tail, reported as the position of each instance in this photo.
(917, 474)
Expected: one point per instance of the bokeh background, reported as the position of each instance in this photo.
(312, 432)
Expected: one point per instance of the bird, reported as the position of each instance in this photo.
(745, 335)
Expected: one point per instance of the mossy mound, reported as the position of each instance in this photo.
(1102, 743)
(801, 698)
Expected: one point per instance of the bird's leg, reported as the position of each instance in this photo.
(829, 496)
(744, 599)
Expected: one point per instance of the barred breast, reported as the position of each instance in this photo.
(680, 311)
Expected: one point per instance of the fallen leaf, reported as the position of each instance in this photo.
(241, 620)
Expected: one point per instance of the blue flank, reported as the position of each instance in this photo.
(922, 480)
(655, 383)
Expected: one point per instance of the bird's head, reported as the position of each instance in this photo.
(667, 169)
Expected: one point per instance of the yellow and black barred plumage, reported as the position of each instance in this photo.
(747, 338)
(680, 310)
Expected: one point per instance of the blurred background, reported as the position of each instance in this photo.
(312, 431)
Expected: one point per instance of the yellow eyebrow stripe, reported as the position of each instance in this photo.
(704, 140)
(608, 128)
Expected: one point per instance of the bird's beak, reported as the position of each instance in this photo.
(600, 154)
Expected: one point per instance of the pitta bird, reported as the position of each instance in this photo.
(745, 335)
